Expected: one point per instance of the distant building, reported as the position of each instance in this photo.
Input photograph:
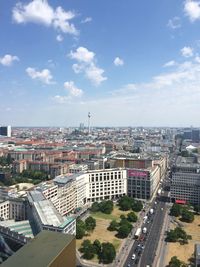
(185, 182)
(47, 249)
(5, 131)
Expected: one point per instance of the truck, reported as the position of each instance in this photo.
(137, 233)
(144, 230)
(151, 211)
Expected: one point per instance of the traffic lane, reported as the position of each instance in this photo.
(153, 238)
(135, 248)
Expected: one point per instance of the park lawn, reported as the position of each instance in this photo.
(102, 234)
(115, 215)
(185, 252)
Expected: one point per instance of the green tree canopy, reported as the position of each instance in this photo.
(132, 217)
(97, 246)
(80, 229)
(87, 249)
(108, 253)
(125, 203)
(90, 223)
(113, 225)
(137, 205)
(174, 262)
(95, 207)
(187, 216)
(176, 210)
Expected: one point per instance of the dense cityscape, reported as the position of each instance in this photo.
(138, 186)
(99, 133)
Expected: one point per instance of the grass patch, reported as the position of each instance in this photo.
(116, 243)
(101, 215)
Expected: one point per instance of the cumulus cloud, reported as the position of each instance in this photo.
(170, 63)
(43, 76)
(73, 90)
(86, 64)
(118, 61)
(82, 54)
(174, 23)
(8, 60)
(192, 9)
(86, 20)
(187, 51)
(40, 12)
(59, 38)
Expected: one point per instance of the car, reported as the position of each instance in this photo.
(142, 246)
(139, 252)
(133, 257)
(139, 245)
(136, 249)
(128, 265)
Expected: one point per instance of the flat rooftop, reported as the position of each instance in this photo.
(40, 251)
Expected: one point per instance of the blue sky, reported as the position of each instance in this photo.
(130, 63)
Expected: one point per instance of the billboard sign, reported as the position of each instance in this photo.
(137, 173)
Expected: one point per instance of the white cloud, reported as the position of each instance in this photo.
(170, 64)
(192, 9)
(59, 38)
(197, 59)
(95, 74)
(187, 51)
(73, 90)
(82, 54)
(8, 60)
(40, 12)
(118, 61)
(43, 76)
(86, 20)
(86, 64)
(174, 23)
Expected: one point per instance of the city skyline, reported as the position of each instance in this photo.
(136, 64)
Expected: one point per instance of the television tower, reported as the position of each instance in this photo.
(89, 116)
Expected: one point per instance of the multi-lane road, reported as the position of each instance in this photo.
(143, 251)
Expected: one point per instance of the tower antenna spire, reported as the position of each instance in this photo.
(89, 116)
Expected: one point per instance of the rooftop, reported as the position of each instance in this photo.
(40, 251)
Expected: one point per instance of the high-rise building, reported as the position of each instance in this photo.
(185, 182)
(5, 131)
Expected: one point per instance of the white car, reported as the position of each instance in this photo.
(133, 256)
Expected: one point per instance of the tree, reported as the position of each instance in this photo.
(108, 253)
(80, 229)
(174, 262)
(87, 249)
(171, 236)
(137, 205)
(187, 216)
(95, 207)
(113, 225)
(97, 246)
(132, 217)
(125, 203)
(123, 231)
(106, 206)
(90, 223)
(175, 210)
